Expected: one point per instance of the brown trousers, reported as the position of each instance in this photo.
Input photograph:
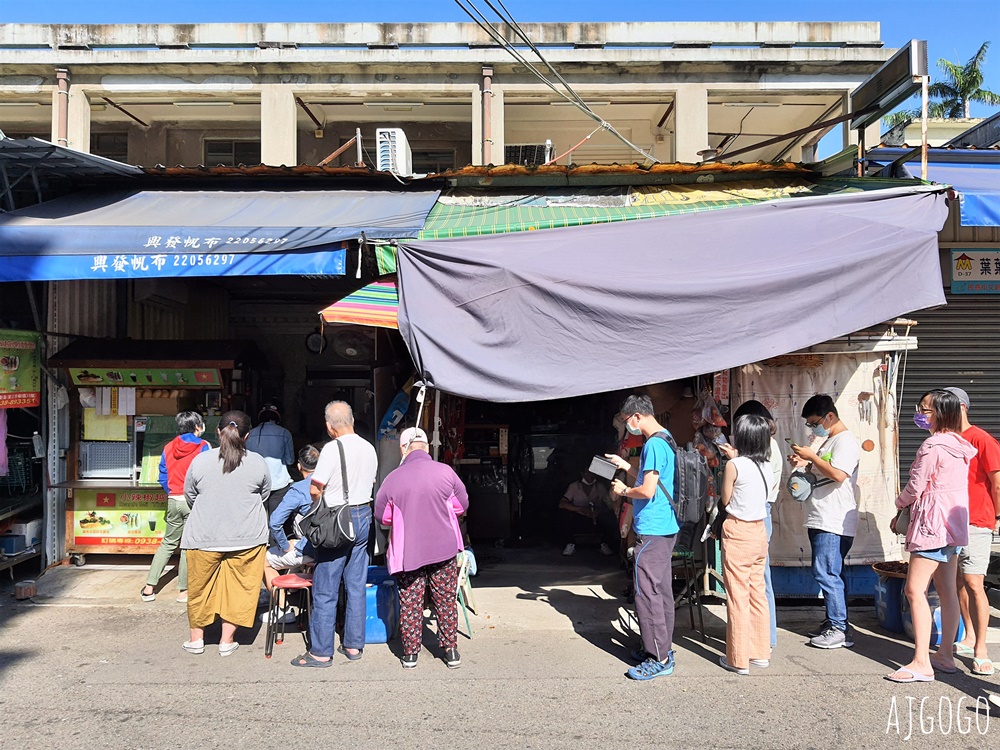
(748, 622)
(226, 584)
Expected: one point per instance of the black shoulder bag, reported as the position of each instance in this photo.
(326, 527)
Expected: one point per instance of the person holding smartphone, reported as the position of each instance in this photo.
(746, 485)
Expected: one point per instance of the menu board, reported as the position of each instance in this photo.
(125, 517)
(162, 377)
(20, 369)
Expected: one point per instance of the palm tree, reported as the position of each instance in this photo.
(956, 94)
(964, 86)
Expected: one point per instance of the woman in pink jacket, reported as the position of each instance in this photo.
(938, 498)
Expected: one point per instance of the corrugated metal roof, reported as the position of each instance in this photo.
(510, 174)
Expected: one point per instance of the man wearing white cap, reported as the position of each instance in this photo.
(421, 501)
(974, 559)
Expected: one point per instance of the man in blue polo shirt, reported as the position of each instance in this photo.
(656, 527)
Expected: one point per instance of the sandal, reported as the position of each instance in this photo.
(349, 655)
(979, 668)
(308, 660)
(908, 675)
(942, 669)
(960, 649)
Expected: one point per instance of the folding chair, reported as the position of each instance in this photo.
(466, 600)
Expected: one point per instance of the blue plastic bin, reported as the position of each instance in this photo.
(935, 603)
(381, 606)
(889, 603)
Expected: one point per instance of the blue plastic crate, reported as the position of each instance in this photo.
(935, 603)
(889, 603)
(799, 582)
(381, 606)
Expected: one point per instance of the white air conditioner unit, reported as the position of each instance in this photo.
(393, 152)
(528, 154)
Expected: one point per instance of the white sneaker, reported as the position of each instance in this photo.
(285, 616)
(606, 549)
(569, 549)
(760, 663)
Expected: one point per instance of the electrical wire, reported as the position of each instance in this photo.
(570, 151)
(737, 135)
(483, 22)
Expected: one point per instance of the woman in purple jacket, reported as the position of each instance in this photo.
(421, 501)
(938, 498)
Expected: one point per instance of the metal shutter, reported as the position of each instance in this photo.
(959, 345)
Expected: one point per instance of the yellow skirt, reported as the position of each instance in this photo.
(226, 584)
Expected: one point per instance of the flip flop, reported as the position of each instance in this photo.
(961, 649)
(308, 660)
(943, 670)
(914, 676)
(977, 667)
(349, 655)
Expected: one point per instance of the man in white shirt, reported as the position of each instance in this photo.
(832, 513)
(349, 563)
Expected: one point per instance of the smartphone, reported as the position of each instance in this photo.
(791, 442)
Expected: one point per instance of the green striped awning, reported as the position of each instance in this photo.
(451, 217)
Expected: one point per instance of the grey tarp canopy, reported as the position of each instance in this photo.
(564, 312)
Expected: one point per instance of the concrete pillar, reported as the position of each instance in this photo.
(78, 127)
(278, 131)
(498, 126)
(477, 128)
(691, 122)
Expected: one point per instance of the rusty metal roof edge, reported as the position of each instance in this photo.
(507, 174)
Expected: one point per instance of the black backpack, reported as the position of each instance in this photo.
(690, 481)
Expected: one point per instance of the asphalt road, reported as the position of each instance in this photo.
(87, 665)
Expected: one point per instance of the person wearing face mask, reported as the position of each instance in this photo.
(938, 497)
(656, 527)
(420, 502)
(585, 508)
(831, 513)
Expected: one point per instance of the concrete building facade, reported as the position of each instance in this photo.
(285, 94)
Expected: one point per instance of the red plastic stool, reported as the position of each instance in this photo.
(289, 583)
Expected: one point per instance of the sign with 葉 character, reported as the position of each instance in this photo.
(975, 271)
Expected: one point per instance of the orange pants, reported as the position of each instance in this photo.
(748, 622)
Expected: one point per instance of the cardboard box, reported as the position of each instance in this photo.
(31, 530)
(164, 406)
(11, 544)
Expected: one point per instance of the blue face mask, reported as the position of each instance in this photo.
(922, 421)
(820, 431)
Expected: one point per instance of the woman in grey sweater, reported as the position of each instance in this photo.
(226, 534)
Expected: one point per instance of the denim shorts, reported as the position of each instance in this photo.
(941, 554)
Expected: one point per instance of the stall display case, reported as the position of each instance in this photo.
(124, 398)
(485, 472)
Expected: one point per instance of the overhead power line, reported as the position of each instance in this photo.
(572, 97)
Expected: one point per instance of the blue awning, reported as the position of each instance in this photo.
(975, 175)
(152, 234)
(978, 186)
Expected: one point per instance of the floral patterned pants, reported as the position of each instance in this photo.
(443, 581)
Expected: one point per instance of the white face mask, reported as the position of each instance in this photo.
(588, 483)
(632, 430)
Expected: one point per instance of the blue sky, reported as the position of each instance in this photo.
(953, 30)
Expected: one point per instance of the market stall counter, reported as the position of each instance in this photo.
(124, 398)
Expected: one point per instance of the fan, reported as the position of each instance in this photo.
(353, 345)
